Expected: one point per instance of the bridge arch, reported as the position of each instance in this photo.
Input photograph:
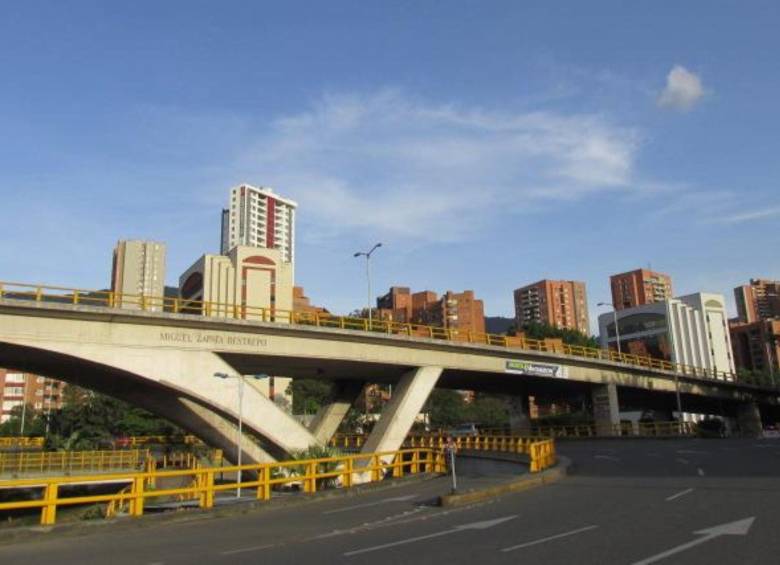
(211, 417)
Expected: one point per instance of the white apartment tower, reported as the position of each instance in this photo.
(138, 270)
(259, 218)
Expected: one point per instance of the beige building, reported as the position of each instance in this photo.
(138, 271)
(251, 283)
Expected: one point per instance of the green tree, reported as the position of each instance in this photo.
(446, 408)
(488, 410)
(535, 330)
(309, 395)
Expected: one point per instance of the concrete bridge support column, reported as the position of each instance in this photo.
(749, 419)
(328, 418)
(606, 410)
(519, 414)
(408, 399)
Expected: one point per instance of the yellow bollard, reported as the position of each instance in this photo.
(49, 512)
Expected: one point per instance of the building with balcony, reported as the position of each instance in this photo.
(757, 346)
(460, 311)
(258, 217)
(563, 304)
(639, 287)
(759, 300)
(42, 394)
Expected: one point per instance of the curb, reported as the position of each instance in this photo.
(526, 482)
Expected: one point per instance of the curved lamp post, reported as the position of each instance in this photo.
(367, 255)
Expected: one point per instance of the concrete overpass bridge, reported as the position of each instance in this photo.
(163, 359)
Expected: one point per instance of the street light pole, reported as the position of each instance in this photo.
(239, 439)
(615, 319)
(367, 255)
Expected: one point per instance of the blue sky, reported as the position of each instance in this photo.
(487, 144)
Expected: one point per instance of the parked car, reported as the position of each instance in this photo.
(464, 430)
(711, 427)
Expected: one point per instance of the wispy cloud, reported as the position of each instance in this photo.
(749, 216)
(683, 89)
(413, 169)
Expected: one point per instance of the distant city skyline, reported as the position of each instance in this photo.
(483, 145)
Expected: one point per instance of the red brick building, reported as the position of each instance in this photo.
(638, 287)
(756, 346)
(759, 300)
(40, 393)
(563, 304)
(460, 311)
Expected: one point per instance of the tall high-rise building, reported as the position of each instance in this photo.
(138, 271)
(638, 287)
(257, 217)
(39, 393)
(759, 300)
(563, 304)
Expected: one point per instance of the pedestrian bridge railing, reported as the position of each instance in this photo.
(175, 305)
(43, 462)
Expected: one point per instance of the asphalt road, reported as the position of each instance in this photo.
(633, 503)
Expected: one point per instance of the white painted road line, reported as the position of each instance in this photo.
(692, 452)
(549, 538)
(738, 528)
(700, 471)
(247, 549)
(367, 504)
(679, 494)
(484, 525)
(681, 460)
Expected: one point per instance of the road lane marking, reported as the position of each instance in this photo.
(700, 471)
(607, 457)
(484, 525)
(738, 528)
(681, 460)
(247, 549)
(367, 504)
(679, 494)
(549, 538)
(692, 452)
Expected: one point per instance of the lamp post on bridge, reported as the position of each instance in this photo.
(240, 436)
(367, 255)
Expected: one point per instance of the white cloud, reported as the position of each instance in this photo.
(433, 172)
(683, 89)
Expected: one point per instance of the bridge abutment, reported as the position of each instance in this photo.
(606, 410)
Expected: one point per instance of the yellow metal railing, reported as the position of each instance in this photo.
(137, 441)
(40, 293)
(345, 470)
(20, 442)
(530, 446)
(69, 461)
